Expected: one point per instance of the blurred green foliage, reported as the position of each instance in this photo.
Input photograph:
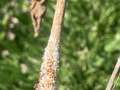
(90, 44)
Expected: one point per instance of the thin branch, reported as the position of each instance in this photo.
(116, 81)
(113, 76)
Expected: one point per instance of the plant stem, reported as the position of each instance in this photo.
(113, 76)
(49, 67)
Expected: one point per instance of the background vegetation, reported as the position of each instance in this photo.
(90, 44)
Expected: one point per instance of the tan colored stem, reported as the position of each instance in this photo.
(113, 76)
(49, 67)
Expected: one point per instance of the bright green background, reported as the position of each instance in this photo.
(90, 44)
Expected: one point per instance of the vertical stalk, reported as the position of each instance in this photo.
(49, 67)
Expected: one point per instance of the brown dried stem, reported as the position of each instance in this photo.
(49, 67)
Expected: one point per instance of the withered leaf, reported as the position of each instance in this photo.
(37, 10)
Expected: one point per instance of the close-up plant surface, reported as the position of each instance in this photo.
(81, 38)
